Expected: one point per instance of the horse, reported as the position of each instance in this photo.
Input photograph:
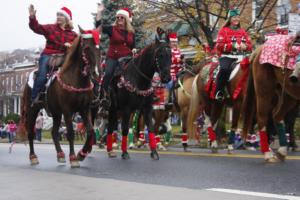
(70, 92)
(203, 102)
(133, 91)
(266, 83)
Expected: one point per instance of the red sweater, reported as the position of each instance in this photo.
(120, 44)
(225, 38)
(55, 36)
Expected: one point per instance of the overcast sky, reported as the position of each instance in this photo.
(14, 30)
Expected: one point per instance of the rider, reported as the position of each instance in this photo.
(122, 44)
(59, 37)
(176, 64)
(232, 41)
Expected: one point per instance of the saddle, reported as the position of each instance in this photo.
(122, 65)
(56, 60)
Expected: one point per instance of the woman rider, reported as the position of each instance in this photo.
(232, 41)
(121, 44)
(59, 37)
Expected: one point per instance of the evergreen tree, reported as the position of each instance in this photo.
(109, 16)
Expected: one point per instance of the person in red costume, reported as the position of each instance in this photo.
(59, 37)
(232, 42)
(121, 44)
(176, 64)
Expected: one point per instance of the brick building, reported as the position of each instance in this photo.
(12, 81)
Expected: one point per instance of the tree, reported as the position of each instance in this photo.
(109, 16)
(204, 16)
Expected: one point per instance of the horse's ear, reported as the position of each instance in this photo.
(80, 29)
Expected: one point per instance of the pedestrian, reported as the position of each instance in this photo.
(121, 44)
(12, 128)
(176, 66)
(232, 43)
(39, 127)
(59, 38)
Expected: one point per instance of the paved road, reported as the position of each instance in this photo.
(175, 176)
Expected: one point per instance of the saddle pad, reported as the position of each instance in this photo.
(31, 78)
(274, 49)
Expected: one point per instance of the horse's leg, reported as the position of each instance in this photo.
(289, 121)
(158, 119)
(152, 142)
(216, 111)
(70, 136)
(184, 137)
(234, 124)
(125, 127)
(31, 117)
(55, 136)
(279, 112)
(112, 119)
(90, 135)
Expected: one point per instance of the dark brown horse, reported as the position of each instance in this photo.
(202, 103)
(69, 93)
(266, 83)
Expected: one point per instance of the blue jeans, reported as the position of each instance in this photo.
(41, 78)
(38, 134)
(169, 85)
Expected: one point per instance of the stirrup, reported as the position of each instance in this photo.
(219, 96)
(36, 101)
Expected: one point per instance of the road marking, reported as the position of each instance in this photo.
(257, 194)
(195, 154)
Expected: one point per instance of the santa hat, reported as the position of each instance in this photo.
(66, 12)
(126, 12)
(173, 37)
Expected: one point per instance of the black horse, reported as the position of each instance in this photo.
(133, 91)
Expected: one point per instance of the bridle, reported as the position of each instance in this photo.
(157, 65)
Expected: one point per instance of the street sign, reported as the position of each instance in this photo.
(294, 23)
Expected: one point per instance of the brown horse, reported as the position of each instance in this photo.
(202, 103)
(266, 83)
(70, 92)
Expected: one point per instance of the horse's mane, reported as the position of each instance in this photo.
(70, 54)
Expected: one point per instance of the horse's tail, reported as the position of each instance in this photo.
(21, 130)
(193, 109)
(249, 102)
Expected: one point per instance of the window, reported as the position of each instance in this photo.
(282, 11)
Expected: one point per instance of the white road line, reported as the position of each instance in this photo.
(257, 194)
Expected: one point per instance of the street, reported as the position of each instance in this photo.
(176, 175)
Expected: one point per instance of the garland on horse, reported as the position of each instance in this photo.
(69, 92)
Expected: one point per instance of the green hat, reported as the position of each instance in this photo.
(234, 12)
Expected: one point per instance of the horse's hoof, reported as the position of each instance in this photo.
(81, 155)
(273, 159)
(112, 154)
(230, 149)
(214, 150)
(125, 156)
(131, 146)
(74, 162)
(185, 149)
(154, 155)
(161, 147)
(61, 157)
(214, 147)
(34, 160)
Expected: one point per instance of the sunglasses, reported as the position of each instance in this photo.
(120, 17)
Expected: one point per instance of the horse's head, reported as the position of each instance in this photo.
(163, 56)
(90, 50)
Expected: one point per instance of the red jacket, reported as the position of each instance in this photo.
(120, 44)
(225, 39)
(55, 36)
